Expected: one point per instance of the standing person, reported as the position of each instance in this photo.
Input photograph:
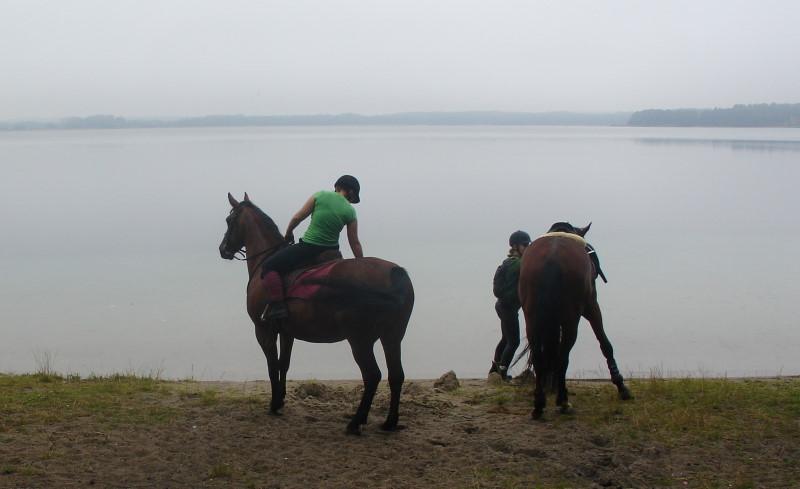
(330, 212)
(507, 306)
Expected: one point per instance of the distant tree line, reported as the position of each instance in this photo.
(399, 119)
(757, 115)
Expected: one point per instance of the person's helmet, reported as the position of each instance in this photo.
(349, 182)
(519, 237)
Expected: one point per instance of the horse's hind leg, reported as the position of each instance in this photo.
(371, 374)
(394, 365)
(569, 333)
(595, 318)
(539, 366)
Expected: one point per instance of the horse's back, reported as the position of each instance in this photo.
(555, 272)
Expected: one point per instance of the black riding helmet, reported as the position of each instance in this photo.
(350, 183)
(519, 238)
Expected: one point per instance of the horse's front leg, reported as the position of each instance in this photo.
(287, 341)
(595, 318)
(268, 340)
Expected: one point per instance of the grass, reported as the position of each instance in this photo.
(48, 397)
(702, 409)
(220, 471)
(722, 433)
(699, 410)
(751, 424)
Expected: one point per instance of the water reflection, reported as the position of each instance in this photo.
(755, 145)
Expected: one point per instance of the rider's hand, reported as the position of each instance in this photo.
(289, 237)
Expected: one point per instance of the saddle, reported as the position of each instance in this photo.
(304, 282)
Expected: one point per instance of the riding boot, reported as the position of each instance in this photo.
(276, 307)
(503, 371)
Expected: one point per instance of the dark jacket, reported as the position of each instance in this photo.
(505, 283)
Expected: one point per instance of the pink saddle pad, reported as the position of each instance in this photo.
(308, 282)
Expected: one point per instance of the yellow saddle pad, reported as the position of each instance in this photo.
(561, 234)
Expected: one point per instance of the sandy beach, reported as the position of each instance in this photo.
(210, 434)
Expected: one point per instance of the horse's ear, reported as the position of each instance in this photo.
(583, 231)
(233, 201)
(246, 198)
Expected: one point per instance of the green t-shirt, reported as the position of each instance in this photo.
(331, 213)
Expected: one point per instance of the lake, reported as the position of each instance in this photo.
(110, 259)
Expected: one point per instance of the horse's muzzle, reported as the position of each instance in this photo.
(225, 253)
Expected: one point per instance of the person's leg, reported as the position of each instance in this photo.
(501, 346)
(510, 326)
(280, 263)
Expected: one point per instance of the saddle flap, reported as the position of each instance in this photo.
(304, 283)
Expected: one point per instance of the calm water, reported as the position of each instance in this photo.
(109, 242)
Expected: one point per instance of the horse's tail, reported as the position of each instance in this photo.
(548, 337)
(343, 291)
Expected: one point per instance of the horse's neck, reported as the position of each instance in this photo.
(258, 239)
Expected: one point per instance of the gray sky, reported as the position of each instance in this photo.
(138, 58)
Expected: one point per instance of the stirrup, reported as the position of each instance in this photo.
(275, 310)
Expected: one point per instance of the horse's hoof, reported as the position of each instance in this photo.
(625, 394)
(275, 412)
(354, 430)
(276, 406)
(537, 414)
(387, 426)
(566, 408)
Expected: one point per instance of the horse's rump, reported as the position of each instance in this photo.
(362, 281)
(558, 267)
(555, 278)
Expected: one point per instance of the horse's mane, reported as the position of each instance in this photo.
(267, 221)
(563, 227)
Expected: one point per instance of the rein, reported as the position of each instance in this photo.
(267, 253)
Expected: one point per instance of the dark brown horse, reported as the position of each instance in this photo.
(362, 301)
(556, 288)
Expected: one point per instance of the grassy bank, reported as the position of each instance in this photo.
(127, 430)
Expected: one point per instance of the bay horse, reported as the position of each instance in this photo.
(556, 288)
(361, 300)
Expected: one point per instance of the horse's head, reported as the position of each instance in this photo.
(565, 227)
(233, 241)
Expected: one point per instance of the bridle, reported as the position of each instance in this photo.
(264, 254)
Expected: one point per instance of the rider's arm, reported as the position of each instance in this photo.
(352, 238)
(299, 216)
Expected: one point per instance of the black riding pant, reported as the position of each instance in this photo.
(509, 326)
(293, 256)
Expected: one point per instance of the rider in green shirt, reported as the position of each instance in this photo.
(330, 212)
